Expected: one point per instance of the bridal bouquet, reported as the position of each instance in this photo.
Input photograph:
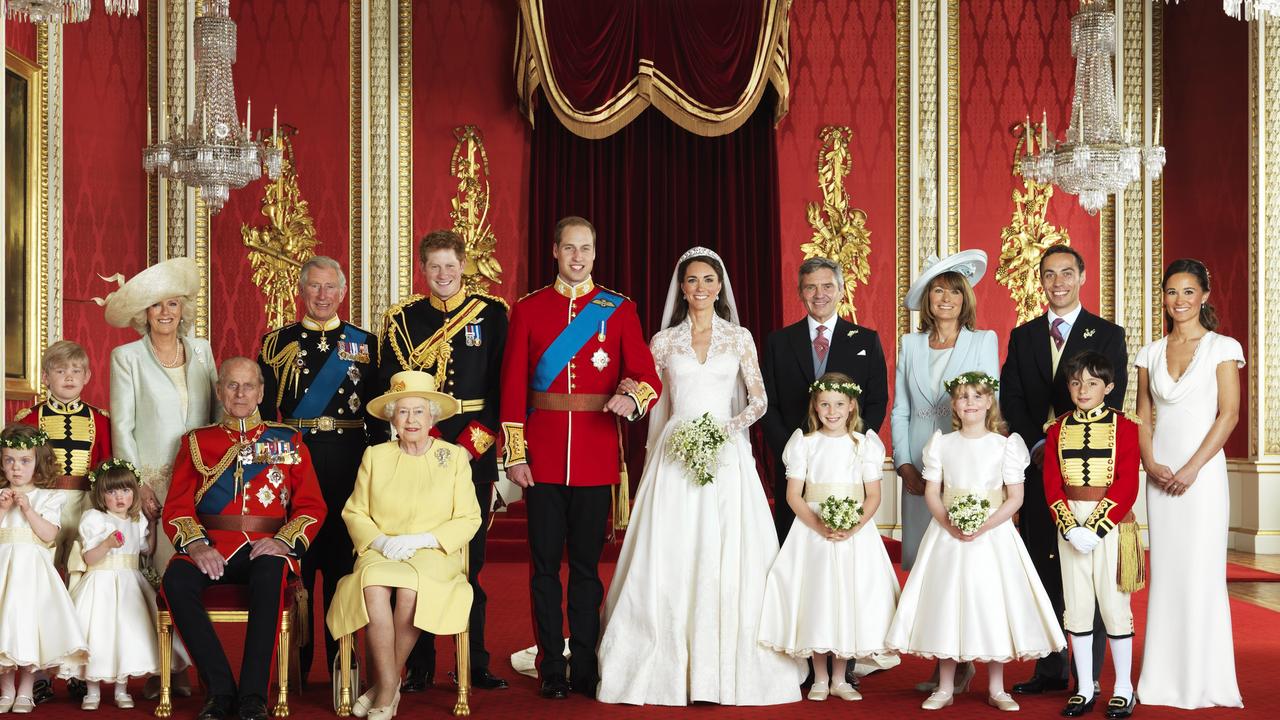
(968, 512)
(840, 513)
(697, 443)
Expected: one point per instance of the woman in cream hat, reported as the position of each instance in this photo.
(947, 345)
(162, 386)
(411, 515)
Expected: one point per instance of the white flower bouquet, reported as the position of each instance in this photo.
(840, 513)
(968, 512)
(697, 443)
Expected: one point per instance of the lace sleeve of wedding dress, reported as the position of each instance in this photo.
(757, 401)
(660, 347)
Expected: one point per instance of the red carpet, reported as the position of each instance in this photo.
(887, 694)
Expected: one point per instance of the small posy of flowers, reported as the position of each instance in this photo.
(696, 443)
(973, 377)
(968, 512)
(840, 513)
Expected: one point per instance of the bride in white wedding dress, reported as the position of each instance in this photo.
(683, 609)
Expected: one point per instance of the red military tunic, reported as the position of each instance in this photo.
(564, 444)
(79, 434)
(1091, 455)
(259, 477)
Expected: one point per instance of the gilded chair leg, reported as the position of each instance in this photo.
(164, 708)
(462, 641)
(281, 709)
(344, 675)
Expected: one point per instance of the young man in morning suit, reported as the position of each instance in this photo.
(569, 347)
(1033, 392)
(820, 343)
(457, 337)
(318, 374)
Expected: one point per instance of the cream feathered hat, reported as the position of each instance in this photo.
(970, 264)
(171, 278)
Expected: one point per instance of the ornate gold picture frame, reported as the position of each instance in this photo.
(24, 227)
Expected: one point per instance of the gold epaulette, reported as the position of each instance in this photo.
(105, 414)
(1131, 418)
(493, 298)
(21, 414)
(400, 306)
(615, 292)
(1055, 421)
(532, 292)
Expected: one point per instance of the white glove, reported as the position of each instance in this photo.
(379, 543)
(422, 541)
(1083, 540)
(398, 548)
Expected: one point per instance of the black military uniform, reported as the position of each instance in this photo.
(318, 377)
(459, 341)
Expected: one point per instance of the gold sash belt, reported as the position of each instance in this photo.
(119, 561)
(817, 492)
(20, 535)
(995, 496)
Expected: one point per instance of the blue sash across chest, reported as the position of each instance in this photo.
(575, 335)
(326, 383)
(223, 490)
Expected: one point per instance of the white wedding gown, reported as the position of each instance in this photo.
(681, 618)
(1189, 658)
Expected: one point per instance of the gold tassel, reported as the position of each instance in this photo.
(1131, 570)
(302, 600)
(621, 495)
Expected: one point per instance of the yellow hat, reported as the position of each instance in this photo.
(177, 277)
(413, 383)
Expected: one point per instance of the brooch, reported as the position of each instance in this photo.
(1089, 333)
(600, 359)
(265, 496)
(442, 457)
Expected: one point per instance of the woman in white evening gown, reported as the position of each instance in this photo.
(683, 609)
(1190, 379)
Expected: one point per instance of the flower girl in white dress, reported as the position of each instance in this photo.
(974, 596)
(115, 603)
(832, 592)
(38, 628)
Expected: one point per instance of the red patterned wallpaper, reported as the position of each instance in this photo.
(1015, 60)
(462, 76)
(20, 37)
(1207, 66)
(292, 55)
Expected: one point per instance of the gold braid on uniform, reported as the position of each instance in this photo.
(1098, 521)
(186, 531)
(210, 474)
(1063, 517)
(294, 530)
(283, 362)
(435, 351)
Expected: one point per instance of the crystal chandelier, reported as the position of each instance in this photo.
(1097, 158)
(1253, 9)
(215, 152)
(64, 11)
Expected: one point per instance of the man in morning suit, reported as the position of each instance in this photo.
(318, 375)
(243, 507)
(458, 337)
(801, 352)
(1033, 392)
(569, 347)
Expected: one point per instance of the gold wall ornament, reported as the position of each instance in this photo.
(1027, 235)
(277, 251)
(839, 232)
(470, 213)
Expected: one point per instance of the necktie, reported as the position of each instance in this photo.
(1055, 332)
(821, 344)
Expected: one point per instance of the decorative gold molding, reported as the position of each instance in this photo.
(1156, 87)
(1107, 260)
(175, 111)
(1134, 236)
(953, 127)
(151, 20)
(902, 161)
(201, 256)
(49, 40)
(1028, 234)
(839, 230)
(355, 140)
(1264, 227)
(379, 159)
(928, 123)
(470, 213)
(404, 164)
(34, 330)
(278, 250)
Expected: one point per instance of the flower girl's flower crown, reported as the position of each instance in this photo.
(112, 464)
(26, 442)
(973, 377)
(847, 388)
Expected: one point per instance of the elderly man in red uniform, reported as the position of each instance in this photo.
(243, 507)
(569, 347)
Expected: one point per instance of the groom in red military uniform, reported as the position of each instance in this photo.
(569, 347)
(243, 508)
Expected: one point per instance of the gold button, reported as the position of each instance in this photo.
(339, 411)
(341, 391)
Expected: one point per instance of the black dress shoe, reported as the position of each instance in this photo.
(217, 707)
(416, 681)
(1118, 707)
(77, 689)
(42, 692)
(253, 707)
(555, 687)
(1040, 684)
(482, 680)
(1077, 706)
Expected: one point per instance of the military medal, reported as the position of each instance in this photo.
(323, 345)
(600, 359)
(600, 336)
(473, 335)
(353, 372)
(284, 497)
(353, 402)
(246, 455)
(275, 476)
(265, 496)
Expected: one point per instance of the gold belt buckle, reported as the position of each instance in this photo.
(324, 423)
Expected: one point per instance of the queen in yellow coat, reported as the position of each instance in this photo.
(411, 515)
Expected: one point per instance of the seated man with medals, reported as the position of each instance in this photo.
(243, 507)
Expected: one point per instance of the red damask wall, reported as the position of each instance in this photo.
(21, 38)
(1015, 60)
(292, 55)
(462, 53)
(1207, 66)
